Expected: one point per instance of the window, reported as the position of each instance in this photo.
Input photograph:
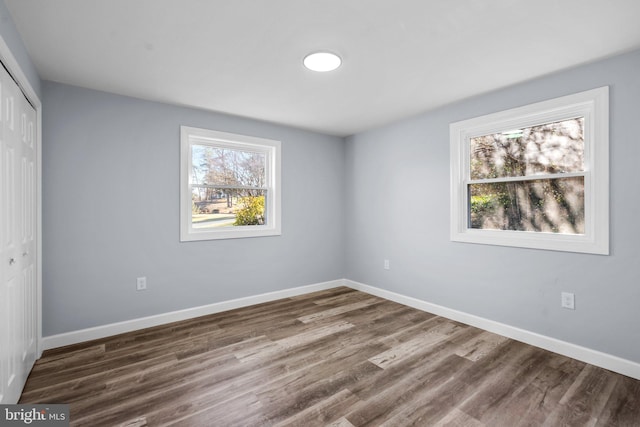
(535, 176)
(229, 185)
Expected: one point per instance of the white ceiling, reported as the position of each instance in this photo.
(244, 57)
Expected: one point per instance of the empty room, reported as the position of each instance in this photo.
(319, 213)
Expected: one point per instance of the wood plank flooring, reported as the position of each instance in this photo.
(337, 358)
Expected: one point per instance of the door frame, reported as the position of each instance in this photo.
(12, 65)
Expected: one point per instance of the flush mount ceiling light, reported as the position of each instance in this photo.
(322, 61)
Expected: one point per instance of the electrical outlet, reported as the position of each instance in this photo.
(568, 300)
(386, 264)
(141, 283)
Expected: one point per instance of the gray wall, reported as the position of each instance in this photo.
(397, 186)
(111, 212)
(12, 38)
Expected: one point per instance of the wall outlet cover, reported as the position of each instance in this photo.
(141, 283)
(568, 300)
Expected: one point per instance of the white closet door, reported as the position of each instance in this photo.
(28, 234)
(18, 292)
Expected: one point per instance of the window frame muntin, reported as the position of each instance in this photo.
(190, 136)
(593, 105)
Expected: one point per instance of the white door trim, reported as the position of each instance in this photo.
(10, 62)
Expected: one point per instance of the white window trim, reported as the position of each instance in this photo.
(594, 106)
(190, 136)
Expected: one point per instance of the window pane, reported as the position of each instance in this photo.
(552, 148)
(224, 166)
(218, 207)
(550, 205)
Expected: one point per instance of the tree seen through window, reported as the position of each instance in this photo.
(228, 187)
(529, 179)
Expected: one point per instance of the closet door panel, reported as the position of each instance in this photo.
(18, 291)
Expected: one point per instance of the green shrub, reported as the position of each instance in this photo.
(481, 203)
(252, 211)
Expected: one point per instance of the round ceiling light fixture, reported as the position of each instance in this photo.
(322, 61)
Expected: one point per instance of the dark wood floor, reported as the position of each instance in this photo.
(337, 357)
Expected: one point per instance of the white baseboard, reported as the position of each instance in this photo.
(593, 357)
(97, 332)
